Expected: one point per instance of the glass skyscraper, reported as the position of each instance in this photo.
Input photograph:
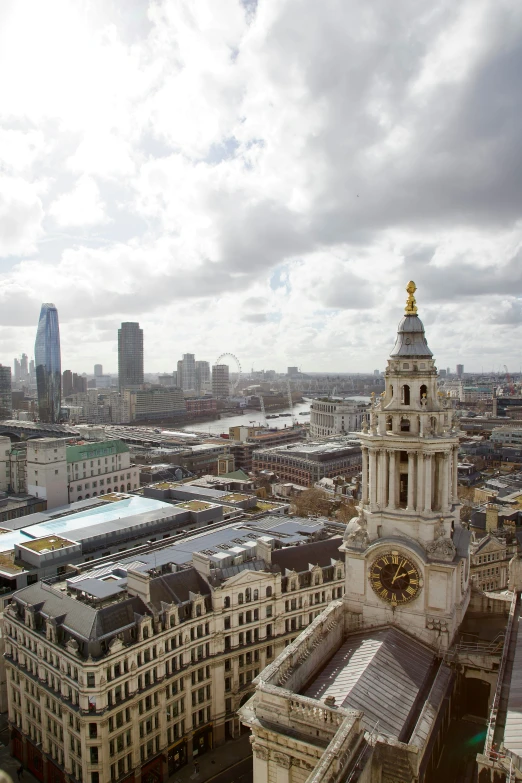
(130, 355)
(48, 364)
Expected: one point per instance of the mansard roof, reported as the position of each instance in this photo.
(299, 558)
(79, 618)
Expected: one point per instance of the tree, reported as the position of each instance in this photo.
(347, 510)
(312, 501)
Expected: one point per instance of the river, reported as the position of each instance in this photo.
(255, 418)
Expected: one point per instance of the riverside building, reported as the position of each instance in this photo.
(335, 417)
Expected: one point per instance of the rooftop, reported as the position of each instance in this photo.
(383, 673)
(47, 543)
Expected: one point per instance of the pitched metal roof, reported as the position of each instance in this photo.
(176, 588)
(382, 673)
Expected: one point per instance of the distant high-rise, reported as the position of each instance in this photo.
(24, 367)
(17, 370)
(202, 375)
(188, 372)
(98, 370)
(67, 383)
(48, 364)
(130, 355)
(460, 370)
(220, 381)
(6, 393)
(292, 372)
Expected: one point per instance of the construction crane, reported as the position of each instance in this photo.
(509, 380)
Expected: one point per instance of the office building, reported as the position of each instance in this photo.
(142, 664)
(98, 370)
(17, 371)
(67, 383)
(292, 372)
(186, 373)
(307, 463)
(160, 402)
(48, 365)
(460, 370)
(220, 381)
(203, 379)
(130, 355)
(6, 393)
(335, 417)
(24, 368)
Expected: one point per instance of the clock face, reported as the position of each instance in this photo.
(395, 578)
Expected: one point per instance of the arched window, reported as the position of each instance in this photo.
(240, 598)
(94, 494)
(391, 389)
(405, 425)
(122, 488)
(198, 610)
(268, 592)
(80, 497)
(248, 594)
(109, 489)
(256, 595)
(423, 392)
(389, 423)
(226, 602)
(128, 487)
(87, 496)
(405, 395)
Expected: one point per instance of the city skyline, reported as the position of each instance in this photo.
(277, 213)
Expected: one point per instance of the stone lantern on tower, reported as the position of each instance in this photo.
(407, 559)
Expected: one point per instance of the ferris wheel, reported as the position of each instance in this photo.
(236, 364)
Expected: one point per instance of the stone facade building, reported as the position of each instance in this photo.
(114, 679)
(335, 417)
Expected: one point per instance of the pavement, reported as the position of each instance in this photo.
(230, 763)
(9, 765)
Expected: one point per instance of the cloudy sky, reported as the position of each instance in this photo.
(262, 178)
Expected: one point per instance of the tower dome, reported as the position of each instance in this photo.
(411, 340)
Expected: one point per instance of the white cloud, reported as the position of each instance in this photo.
(265, 179)
(82, 206)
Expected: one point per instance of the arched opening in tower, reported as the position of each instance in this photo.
(423, 392)
(405, 394)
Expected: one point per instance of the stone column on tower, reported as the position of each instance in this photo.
(392, 479)
(455, 474)
(381, 499)
(365, 475)
(411, 481)
(445, 481)
(427, 482)
(372, 476)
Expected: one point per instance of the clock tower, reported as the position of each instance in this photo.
(407, 556)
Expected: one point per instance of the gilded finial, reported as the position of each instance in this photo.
(411, 307)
